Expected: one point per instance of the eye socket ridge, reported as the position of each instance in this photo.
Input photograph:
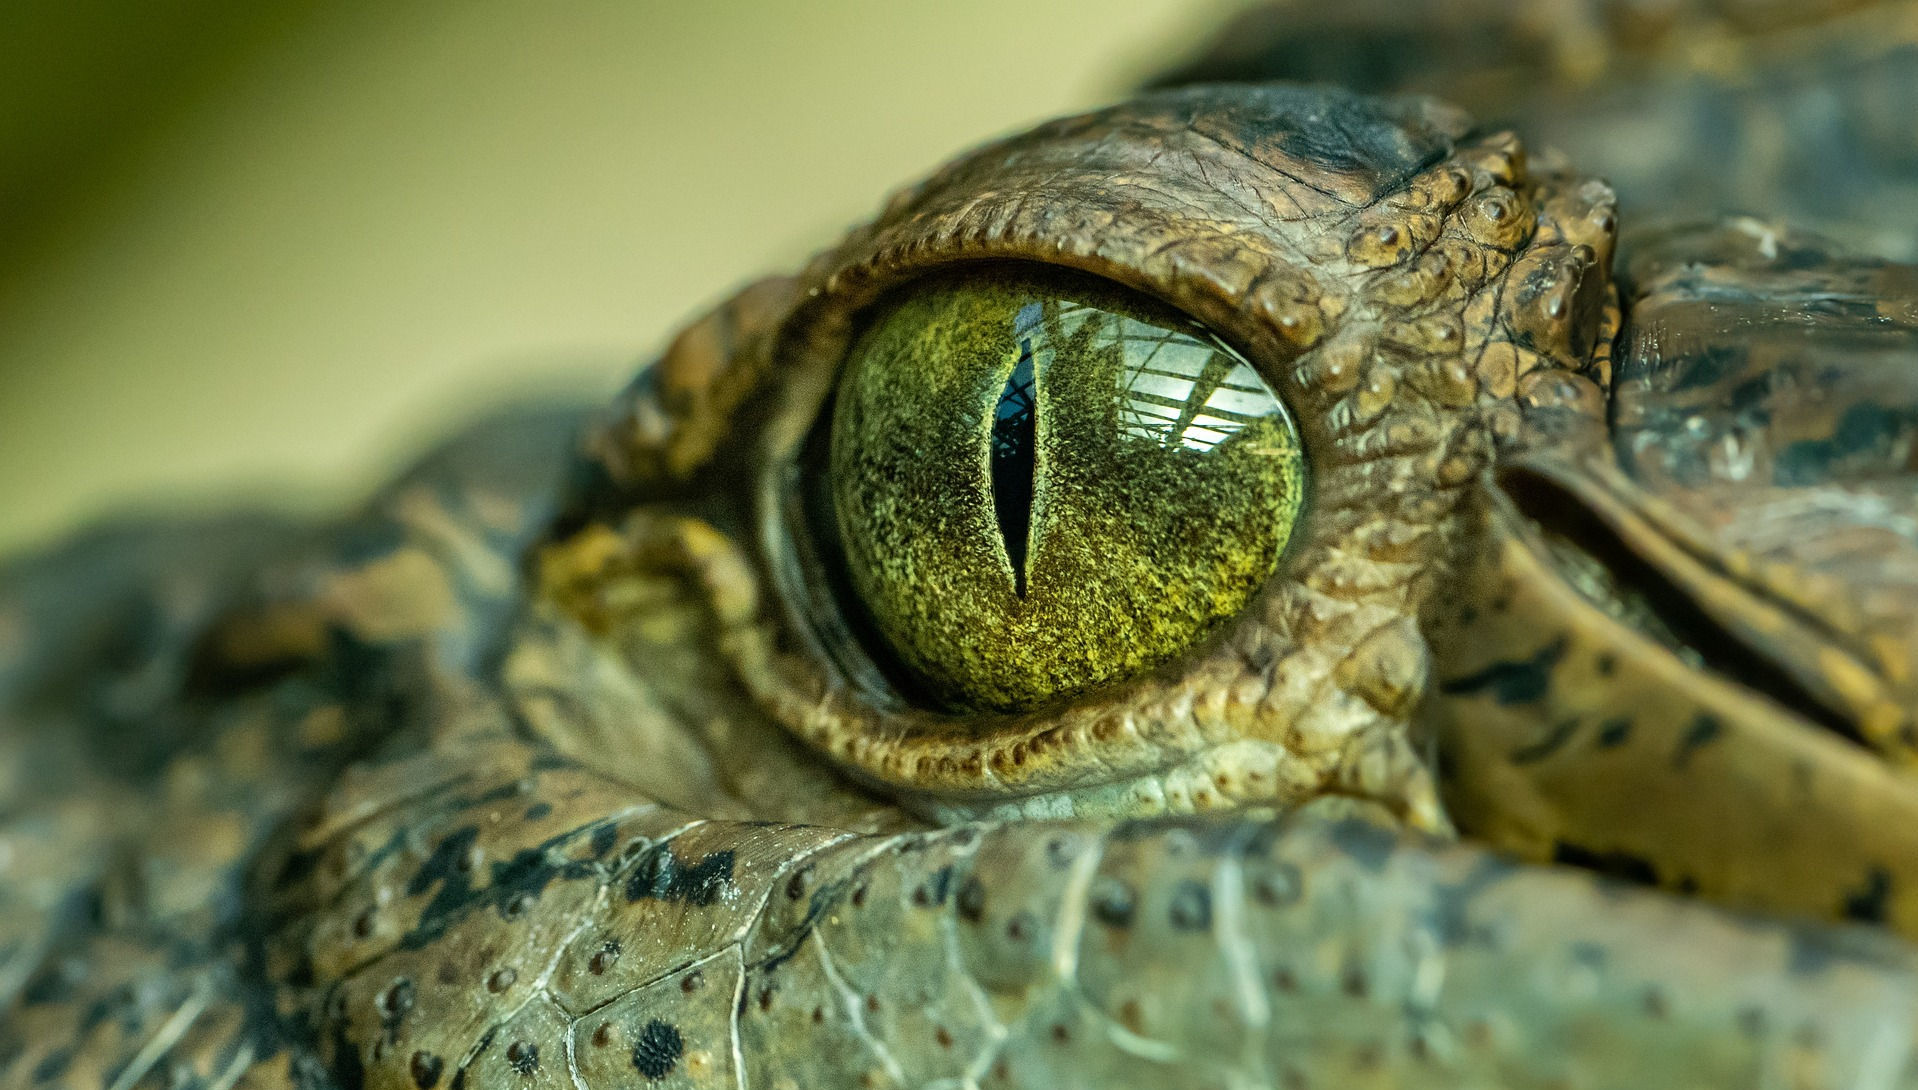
(1029, 483)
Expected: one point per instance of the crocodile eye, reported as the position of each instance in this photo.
(1042, 482)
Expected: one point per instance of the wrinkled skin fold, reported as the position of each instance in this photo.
(1569, 743)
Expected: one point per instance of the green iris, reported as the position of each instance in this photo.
(1043, 483)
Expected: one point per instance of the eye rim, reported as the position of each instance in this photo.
(844, 705)
(1242, 237)
(841, 622)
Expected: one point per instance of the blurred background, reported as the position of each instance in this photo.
(266, 252)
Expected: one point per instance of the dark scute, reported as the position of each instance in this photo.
(657, 1050)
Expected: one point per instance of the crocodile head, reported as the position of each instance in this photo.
(1053, 638)
(1612, 612)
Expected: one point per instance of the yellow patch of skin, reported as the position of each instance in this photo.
(405, 594)
(1166, 479)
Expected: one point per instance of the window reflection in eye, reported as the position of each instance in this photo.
(1182, 392)
(1041, 483)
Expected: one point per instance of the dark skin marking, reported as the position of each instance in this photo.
(1616, 864)
(1514, 681)
(1550, 742)
(523, 1056)
(1113, 903)
(1869, 902)
(657, 1049)
(1704, 730)
(426, 1069)
(1191, 906)
(972, 900)
(53, 1066)
(934, 890)
(538, 810)
(1613, 733)
(661, 876)
(1369, 845)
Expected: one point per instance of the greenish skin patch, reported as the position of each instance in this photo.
(1166, 480)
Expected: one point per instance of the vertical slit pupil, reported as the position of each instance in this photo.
(1015, 459)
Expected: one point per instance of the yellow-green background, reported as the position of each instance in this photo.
(268, 250)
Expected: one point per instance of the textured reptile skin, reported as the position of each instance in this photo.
(550, 766)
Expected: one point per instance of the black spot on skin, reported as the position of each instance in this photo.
(1514, 681)
(1606, 665)
(1191, 906)
(426, 1069)
(1862, 432)
(1867, 904)
(349, 1071)
(523, 1056)
(1623, 865)
(604, 837)
(1704, 730)
(661, 876)
(446, 869)
(1550, 742)
(52, 984)
(972, 900)
(538, 811)
(657, 1050)
(935, 889)
(297, 867)
(500, 793)
(1113, 902)
(53, 1066)
(101, 1009)
(1613, 733)
(1368, 845)
(1021, 927)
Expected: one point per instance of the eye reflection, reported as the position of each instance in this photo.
(1042, 483)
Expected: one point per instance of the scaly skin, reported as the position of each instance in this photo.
(502, 783)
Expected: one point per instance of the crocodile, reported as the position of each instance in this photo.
(1237, 588)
